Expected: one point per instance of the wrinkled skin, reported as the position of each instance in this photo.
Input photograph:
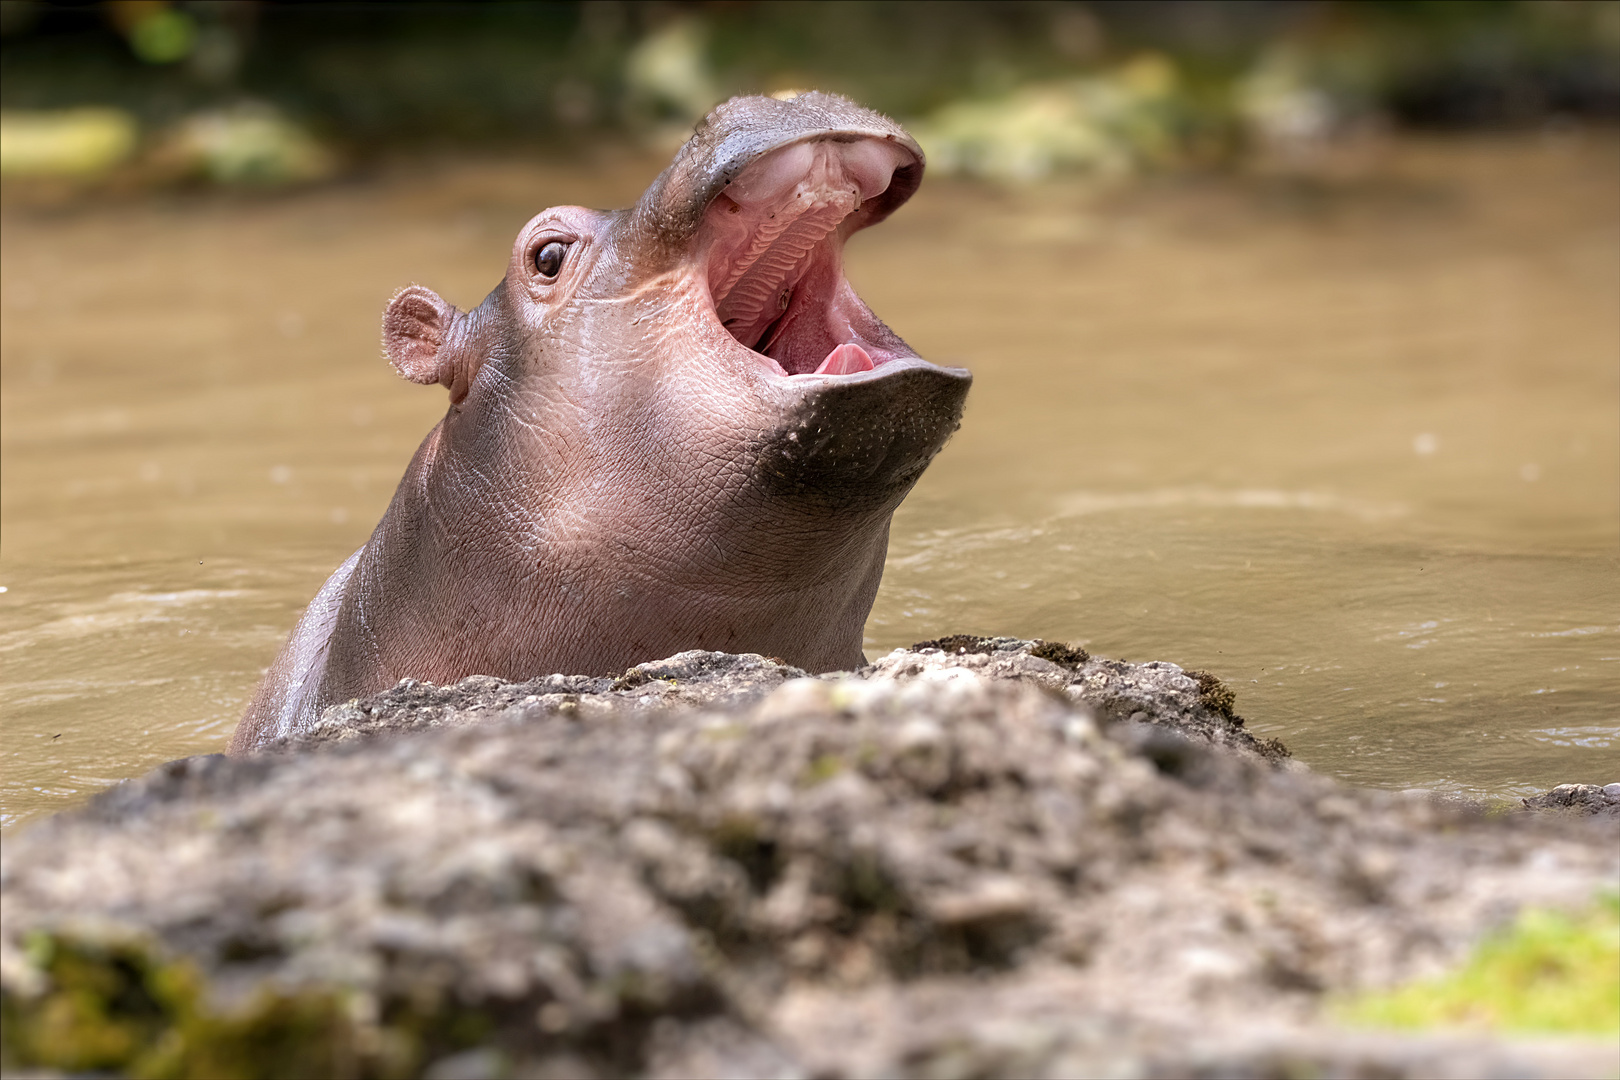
(679, 429)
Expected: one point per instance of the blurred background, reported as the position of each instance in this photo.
(1295, 328)
(274, 92)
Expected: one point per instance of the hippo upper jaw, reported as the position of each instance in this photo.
(733, 138)
(770, 252)
(759, 203)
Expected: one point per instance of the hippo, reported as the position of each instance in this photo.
(670, 427)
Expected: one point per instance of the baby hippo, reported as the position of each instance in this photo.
(671, 427)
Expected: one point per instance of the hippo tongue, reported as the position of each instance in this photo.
(846, 360)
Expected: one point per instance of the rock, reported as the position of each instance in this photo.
(1194, 703)
(686, 679)
(1578, 799)
(983, 857)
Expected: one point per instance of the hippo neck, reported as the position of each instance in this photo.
(748, 531)
(751, 566)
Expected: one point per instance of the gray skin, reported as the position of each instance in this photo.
(687, 433)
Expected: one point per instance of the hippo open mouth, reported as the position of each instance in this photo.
(771, 244)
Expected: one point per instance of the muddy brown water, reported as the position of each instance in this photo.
(1348, 437)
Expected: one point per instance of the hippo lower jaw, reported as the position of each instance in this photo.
(771, 252)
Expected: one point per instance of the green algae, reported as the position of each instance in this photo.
(822, 767)
(91, 1004)
(958, 644)
(1216, 696)
(1057, 652)
(1550, 973)
(119, 1007)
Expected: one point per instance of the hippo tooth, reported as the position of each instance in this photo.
(846, 360)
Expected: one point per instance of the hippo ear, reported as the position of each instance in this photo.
(422, 336)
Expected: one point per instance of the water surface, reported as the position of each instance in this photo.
(1349, 438)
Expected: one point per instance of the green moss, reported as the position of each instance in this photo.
(1057, 652)
(725, 732)
(1215, 695)
(118, 1007)
(821, 769)
(1551, 972)
(958, 644)
(100, 1012)
(632, 678)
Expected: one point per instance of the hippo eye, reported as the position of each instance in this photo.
(549, 259)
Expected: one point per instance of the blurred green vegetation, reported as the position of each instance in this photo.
(119, 1007)
(1550, 973)
(375, 76)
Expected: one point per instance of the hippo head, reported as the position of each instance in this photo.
(688, 395)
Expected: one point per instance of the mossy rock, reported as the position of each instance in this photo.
(120, 1007)
(1550, 973)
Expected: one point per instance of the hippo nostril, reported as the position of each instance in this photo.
(872, 166)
